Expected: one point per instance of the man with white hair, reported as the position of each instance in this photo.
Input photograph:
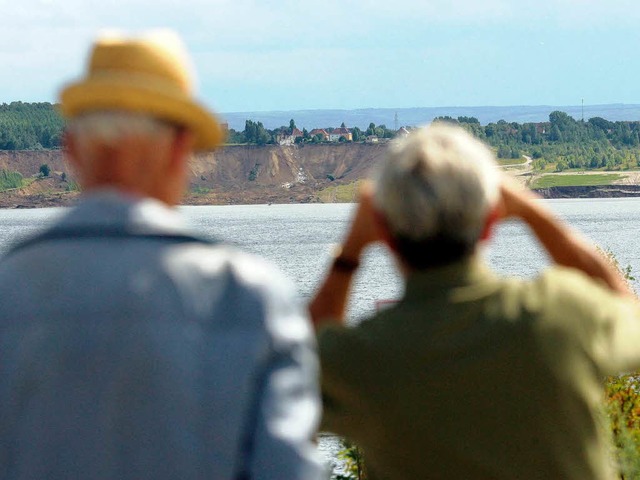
(471, 375)
(130, 349)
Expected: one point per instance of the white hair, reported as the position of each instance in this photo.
(438, 182)
(110, 127)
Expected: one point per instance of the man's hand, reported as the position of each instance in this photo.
(364, 229)
(330, 301)
(564, 245)
(515, 201)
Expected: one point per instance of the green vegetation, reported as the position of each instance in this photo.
(9, 180)
(623, 403)
(44, 170)
(577, 180)
(562, 142)
(255, 133)
(253, 174)
(340, 193)
(198, 190)
(353, 458)
(30, 126)
(512, 161)
(623, 410)
(73, 186)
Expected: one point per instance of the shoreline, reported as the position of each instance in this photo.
(15, 201)
(594, 191)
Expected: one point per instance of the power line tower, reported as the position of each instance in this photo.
(396, 121)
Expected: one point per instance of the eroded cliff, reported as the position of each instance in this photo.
(231, 175)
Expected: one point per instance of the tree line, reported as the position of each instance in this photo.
(560, 143)
(30, 126)
(255, 133)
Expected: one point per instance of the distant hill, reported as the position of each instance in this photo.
(418, 116)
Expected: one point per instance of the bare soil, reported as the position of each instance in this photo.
(232, 175)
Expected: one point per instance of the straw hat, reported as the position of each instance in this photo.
(149, 74)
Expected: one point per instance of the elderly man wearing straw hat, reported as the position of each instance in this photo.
(130, 348)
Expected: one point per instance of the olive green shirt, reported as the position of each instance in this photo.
(473, 376)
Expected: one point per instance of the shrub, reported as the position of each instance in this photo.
(622, 397)
(353, 459)
(9, 179)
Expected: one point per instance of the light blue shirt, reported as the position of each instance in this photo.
(142, 358)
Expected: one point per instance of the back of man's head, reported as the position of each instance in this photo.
(133, 118)
(436, 190)
(148, 75)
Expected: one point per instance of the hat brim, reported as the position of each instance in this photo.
(94, 95)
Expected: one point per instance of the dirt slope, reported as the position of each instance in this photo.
(231, 175)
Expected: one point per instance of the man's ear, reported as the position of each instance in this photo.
(489, 223)
(182, 147)
(72, 157)
(70, 147)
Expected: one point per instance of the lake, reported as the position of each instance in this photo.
(300, 240)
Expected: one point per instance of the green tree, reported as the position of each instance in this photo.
(254, 132)
(445, 119)
(357, 134)
(371, 130)
(468, 120)
(555, 135)
(44, 170)
(504, 151)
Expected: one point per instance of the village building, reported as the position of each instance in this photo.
(340, 132)
(320, 131)
(288, 138)
(402, 132)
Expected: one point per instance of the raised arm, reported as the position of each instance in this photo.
(330, 301)
(565, 245)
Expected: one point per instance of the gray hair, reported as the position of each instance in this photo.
(110, 127)
(439, 182)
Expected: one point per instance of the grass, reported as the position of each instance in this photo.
(10, 180)
(511, 161)
(577, 180)
(72, 186)
(198, 190)
(340, 193)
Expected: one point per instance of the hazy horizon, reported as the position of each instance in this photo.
(264, 55)
(321, 118)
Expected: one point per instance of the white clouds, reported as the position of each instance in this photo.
(269, 45)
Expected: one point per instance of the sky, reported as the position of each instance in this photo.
(253, 55)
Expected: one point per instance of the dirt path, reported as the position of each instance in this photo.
(524, 173)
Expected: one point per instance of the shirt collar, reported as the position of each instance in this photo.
(105, 208)
(469, 271)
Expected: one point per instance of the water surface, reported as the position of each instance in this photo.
(300, 240)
